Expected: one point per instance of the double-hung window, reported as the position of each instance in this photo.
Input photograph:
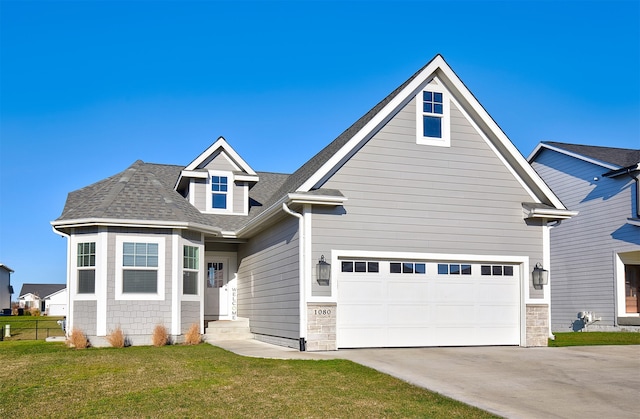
(219, 192)
(432, 117)
(140, 267)
(87, 268)
(190, 270)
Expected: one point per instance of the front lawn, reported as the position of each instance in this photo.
(595, 338)
(50, 380)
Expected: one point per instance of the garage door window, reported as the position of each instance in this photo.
(453, 269)
(360, 266)
(407, 268)
(496, 270)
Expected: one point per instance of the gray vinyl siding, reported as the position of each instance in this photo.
(199, 194)
(406, 197)
(582, 275)
(133, 316)
(219, 162)
(239, 197)
(268, 284)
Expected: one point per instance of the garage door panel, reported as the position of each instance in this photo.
(408, 314)
(364, 314)
(407, 290)
(386, 309)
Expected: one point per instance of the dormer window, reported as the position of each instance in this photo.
(220, 192)
(432, 117)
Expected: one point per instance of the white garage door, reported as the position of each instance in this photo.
(419, 303)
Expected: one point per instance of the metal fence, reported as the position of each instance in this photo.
(29, 329)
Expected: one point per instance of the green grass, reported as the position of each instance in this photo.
(595, 338)
(24, 327)
(202, 381)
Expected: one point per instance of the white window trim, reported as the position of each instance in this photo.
(445, 141)
(73, 288)
(196, 296)
(230, 185)
(159, 295)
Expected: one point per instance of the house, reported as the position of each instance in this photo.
(595, 256)
(5, 289)
(420, 225)
(50, 299)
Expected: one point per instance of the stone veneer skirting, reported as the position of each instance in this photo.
(321, 327)
(537, 325)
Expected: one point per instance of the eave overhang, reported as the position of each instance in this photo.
(61, 225)
(537, 211)
(630, 170)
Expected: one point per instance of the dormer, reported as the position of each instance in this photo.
(218, 181)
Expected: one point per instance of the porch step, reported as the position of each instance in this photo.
(228, 330)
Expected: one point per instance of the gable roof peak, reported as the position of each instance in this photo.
(609, 157)
(220, 144)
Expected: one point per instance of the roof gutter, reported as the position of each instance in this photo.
(94, 222)
(549, 213)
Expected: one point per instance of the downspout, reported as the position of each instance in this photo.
(549, 226)
(67, 325)
(301, 271)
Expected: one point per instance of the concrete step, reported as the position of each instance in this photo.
(228, 330)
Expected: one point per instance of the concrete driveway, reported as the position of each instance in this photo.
(574, 382)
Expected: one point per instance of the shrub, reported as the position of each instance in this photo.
(160, 336)
(116, 338)
(193, 336)
(35, 311)
(77, 339)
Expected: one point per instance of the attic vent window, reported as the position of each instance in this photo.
(432, 118)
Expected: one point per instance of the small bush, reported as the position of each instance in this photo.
(160, 336)
(193, 336)
(35, 311)
(116, 338)
(77, 339)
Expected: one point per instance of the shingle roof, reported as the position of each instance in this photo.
(622, 157)
(144, 191)
(41, 290)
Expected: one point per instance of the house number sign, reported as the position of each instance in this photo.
(322, 312)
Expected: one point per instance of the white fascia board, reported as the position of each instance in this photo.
(556, 214)
(297, 198)
(54, 293)
(514, 154)
(424, 75)
(571, 154)
(2, 265)
(222, 143)
(194, 173)
(246, 178)
(437, 67)
(633, 221)
(86, 222)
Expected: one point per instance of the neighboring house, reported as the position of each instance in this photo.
(50, 299)
(5, 289)
(595, 256)
(426, 217)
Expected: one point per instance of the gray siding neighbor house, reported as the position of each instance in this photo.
(595, 256)
(420, 225)
(5, 289)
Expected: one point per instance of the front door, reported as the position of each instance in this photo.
(216, 296)
(632, 288)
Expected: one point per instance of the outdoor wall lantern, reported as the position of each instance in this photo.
(323, 271)
(540, 276)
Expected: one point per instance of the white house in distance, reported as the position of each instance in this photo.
(420, 225)
(50, 299)
(5, 289)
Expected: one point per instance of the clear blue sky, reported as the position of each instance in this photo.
(89, 87)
